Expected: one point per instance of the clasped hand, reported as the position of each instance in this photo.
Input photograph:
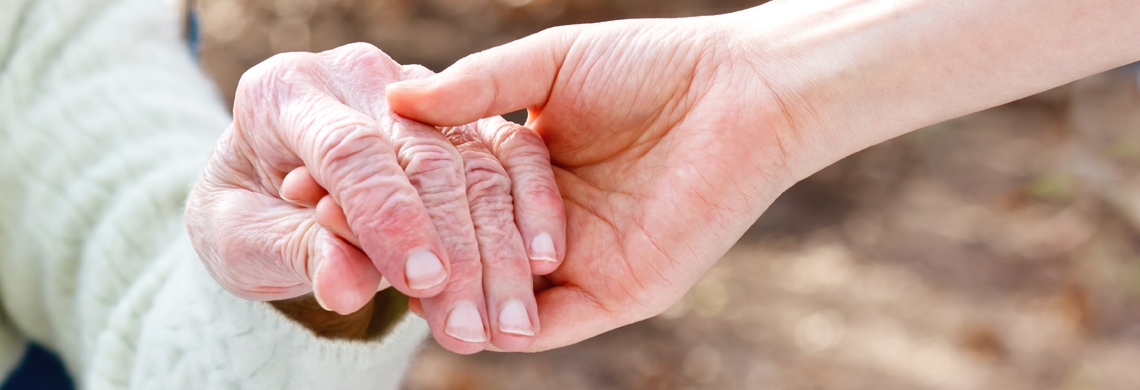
(652, 145)
(317, 187)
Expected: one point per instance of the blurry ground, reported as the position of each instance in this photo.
(995, 251)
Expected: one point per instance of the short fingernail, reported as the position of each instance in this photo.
(320, 300)
(417, 83)
(513, 319)
(542, 248)
(317, 289)
(424, 270)
(290, 200)
(465, 324)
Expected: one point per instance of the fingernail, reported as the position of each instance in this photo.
(416, 83)
(465, 324)
(424, 270)
(316, 289)
(293, 201)
(542, 248)
(513, 319)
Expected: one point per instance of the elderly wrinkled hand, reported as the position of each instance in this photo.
(318, 187)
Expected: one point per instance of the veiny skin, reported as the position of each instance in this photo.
(317, 187)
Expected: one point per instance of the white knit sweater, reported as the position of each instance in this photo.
(105, 123)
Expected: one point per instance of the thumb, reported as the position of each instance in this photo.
(499, 80)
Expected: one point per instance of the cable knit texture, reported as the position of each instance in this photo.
(105, 123)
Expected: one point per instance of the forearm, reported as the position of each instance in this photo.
(853, 73)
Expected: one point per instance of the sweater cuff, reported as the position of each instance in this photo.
(198, 336)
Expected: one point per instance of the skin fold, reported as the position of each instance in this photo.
(317, 187)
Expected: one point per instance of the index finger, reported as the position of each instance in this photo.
(345, 152)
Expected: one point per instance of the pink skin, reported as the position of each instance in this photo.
(670, 137)
(318, 187)
(657, 179)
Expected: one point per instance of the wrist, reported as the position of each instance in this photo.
(822, 63)
(851, 74)
(780, 93)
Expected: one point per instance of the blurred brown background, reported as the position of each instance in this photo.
(996, 251)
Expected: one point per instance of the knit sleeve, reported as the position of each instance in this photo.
(105, 124)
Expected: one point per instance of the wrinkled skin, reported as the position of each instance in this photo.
(666, 142)
(317, 187)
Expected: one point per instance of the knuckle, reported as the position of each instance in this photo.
(465, 260)
(359, 59)
(504, 260)
(372, 193)
(488, 186)
(398, 214)
(519, 143)
(511, 134)
(541, 192)
(352, 162)
(341, 147)
(502, 249)
(359, 49)
(432, 168)
(464, 137)
(359, 54)
(271, 72)
(279, 79)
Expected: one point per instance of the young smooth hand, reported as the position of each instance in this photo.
(666, 144)
(669, 137)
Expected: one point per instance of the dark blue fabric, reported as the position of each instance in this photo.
(193, 37)
(40, 370)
